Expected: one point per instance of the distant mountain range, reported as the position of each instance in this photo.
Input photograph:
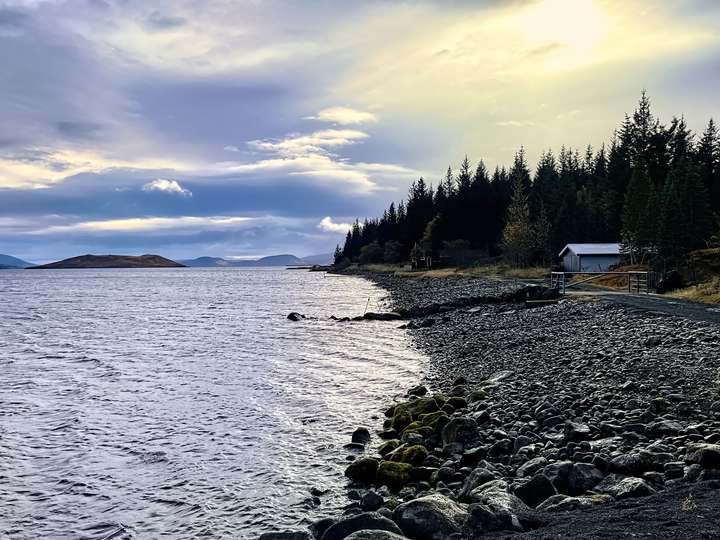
(273, 260)
(8, 261)
(112, 261)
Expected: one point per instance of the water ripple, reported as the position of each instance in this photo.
(180, 403)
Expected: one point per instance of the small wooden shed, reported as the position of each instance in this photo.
(589, 257)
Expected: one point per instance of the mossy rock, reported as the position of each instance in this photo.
(401, 419)
(431, 419)
(389, 446)
(363, 470)
(414, 455)
(393, 474)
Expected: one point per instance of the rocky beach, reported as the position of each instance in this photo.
(576, 419)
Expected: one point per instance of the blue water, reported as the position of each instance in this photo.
(180, 403)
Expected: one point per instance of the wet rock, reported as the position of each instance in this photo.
(360, 522)
(388, 446)
(387, 316)
(417, 391)
(529, 468)
(295, 316)
(361, 435)
(363, 470)
(434, 517)
(623, 487)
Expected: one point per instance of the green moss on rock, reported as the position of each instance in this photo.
(363, 470)
(389, 446)
(393, 474)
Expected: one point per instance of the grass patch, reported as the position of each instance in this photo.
(491, 271)
(612, 282)
(707, 292)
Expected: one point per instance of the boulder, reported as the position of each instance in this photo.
(434, 517)
(584, 477)
(496, 497)
(387, 316)
(295, 316)
(363, 470)
(623, 487)
(318, 528)
(529, 468)
(705, 455)
(360, 522)
(536, 490)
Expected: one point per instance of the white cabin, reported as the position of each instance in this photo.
(589, 257)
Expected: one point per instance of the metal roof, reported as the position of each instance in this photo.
(592, 249)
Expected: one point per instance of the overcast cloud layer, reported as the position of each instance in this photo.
(246, 128)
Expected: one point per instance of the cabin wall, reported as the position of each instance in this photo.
(597, 263)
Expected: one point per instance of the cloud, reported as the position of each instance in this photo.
(231, 148)
(147, 224)
(328, 225)
(167, 186)
(316, 142)
(514, 123)
(344, 116)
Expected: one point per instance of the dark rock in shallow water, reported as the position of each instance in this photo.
(371, 501)
(361, 435)
(287, 535)
(363, 470)
(360, 522)
(295, 316)
(434, 517)
(375, 535)
(318, 528)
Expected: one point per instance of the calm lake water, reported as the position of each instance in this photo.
(180, 403)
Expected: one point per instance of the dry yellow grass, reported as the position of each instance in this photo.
(612, 282)
(492, 271)
(707, 292)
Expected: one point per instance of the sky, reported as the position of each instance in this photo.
(247, 128)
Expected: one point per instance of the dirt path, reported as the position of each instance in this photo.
(655, 304)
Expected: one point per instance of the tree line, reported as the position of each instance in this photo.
(655, 188)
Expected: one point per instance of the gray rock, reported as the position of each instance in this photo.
(623, 487)
(559, 474)
(584, 477)
(434, 517)
(663, 427)
(482, 519)
(318, 528)
(461, 430)
(536, 490)
(295, 316)
(575, 432)
(360, 522)
(371, 501)
(474, 480)
(529, 468)
(573, 503)
(705, 455)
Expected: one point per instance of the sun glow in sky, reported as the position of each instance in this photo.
(247, 128)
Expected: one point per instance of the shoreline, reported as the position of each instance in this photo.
(551, 420)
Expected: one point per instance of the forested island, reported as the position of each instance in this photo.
(655, 188)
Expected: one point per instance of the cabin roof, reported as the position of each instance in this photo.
(592, 249)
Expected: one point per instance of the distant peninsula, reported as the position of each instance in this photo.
(273, 260)
(112, 261)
